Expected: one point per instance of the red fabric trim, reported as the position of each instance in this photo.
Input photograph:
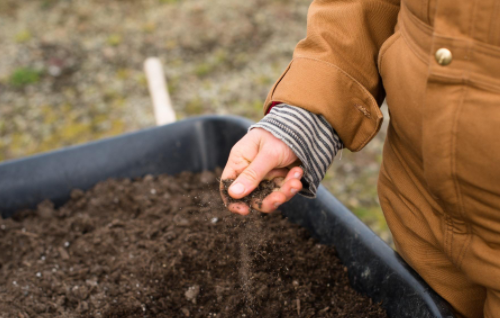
(271, 107)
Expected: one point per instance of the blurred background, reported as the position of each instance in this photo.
(71, 71)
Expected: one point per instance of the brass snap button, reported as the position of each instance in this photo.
(443, 56)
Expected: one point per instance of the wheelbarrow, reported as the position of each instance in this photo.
(204, 143)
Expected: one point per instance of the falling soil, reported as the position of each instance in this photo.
(263, 190)
(166, 247)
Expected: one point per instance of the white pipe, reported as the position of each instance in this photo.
(164, 113)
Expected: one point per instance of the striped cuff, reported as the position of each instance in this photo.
(311, 138)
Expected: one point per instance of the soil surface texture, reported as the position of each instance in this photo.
(165, 246)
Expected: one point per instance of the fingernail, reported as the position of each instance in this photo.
(237, 188)
(297, 175)
(293, 191)
(276, 205)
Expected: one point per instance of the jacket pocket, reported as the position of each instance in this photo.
(385, 47)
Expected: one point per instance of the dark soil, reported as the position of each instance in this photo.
(165, 247)
(263, 190)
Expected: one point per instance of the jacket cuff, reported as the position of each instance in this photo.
(310, 137)
(324, 89)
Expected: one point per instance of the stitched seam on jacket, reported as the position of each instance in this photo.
(414, 48)
(476, 80)
(484, 48)
(277, 84)
(472, 20)
(397, 36)
(405, 201)
(458, 189)
(416, 21)
(365, 137)
(362, 144)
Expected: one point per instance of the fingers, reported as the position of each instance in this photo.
(270, 203)
(258, 156)
(222, 193)
(277, 174)
(250, 178)
(289, 187)
(239, 208)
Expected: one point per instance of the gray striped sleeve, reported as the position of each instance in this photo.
(309, 136)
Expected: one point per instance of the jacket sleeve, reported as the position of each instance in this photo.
(334, 72)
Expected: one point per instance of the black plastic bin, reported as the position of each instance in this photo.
(204, 143)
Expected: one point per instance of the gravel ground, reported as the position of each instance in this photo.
(71, 71)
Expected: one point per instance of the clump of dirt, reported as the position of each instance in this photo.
(264, 188)
(166, 247)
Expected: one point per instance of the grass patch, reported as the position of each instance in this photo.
(23, 77)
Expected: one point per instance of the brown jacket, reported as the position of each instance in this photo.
(439, 183)
(335, 69)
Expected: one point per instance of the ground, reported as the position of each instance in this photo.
(71, 71)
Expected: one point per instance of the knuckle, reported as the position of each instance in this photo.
(235, 152)
(235, 160)
(251, 175)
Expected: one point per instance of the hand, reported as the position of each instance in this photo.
(261, 156)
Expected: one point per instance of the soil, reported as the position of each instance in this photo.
(166, 247)
(263, 190)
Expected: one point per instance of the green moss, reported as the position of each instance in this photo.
(50, 116)
(257, 105)
(123, 74)
(373, 216)
(24, 76)
(23, 36)
(114, 39)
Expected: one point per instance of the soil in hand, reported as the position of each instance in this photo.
(264, 188)
(166, 247)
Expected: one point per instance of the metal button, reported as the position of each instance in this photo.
(443, 56)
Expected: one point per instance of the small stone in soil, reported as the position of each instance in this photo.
(192, 293)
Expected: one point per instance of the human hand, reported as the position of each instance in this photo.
(261, 156)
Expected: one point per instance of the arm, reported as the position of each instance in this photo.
(334, 70)
(334, 75)
(309, 136)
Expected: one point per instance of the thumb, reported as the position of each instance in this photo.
(250, 178)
